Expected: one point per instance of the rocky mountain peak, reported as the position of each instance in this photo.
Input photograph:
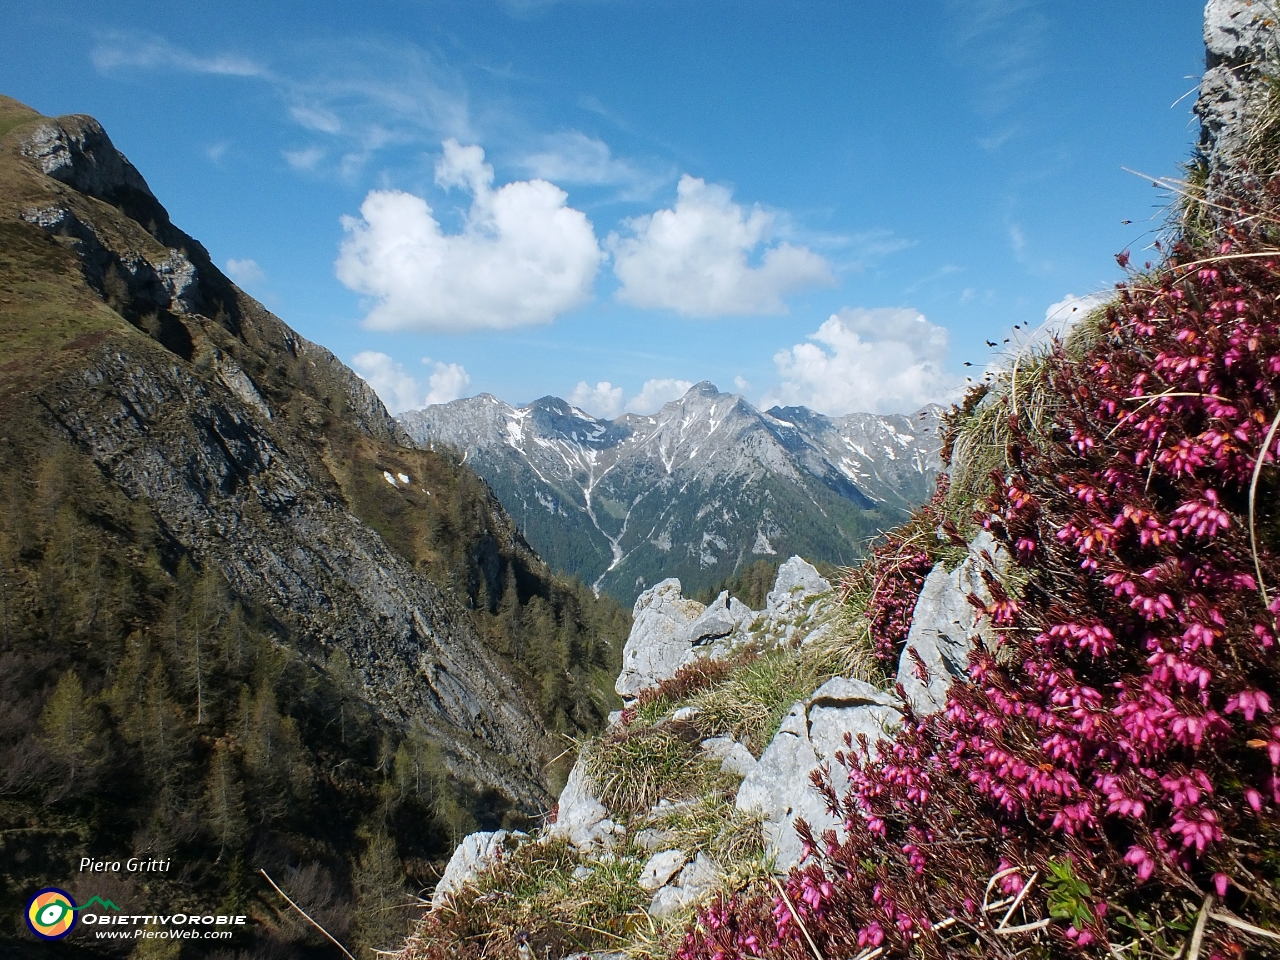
(699, 489)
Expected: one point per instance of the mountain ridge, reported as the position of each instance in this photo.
(786, 480)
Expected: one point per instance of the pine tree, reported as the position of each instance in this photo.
(224, 800)
(74, 730)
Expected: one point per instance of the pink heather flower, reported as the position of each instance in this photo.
(1250, 703)
(1142, 861)
(1220, 883)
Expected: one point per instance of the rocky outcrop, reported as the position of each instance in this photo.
(580, 817)
(670, 631)
(945, 625)
(476, 853)
(780, 788)
(182, 411)
(659, 642)
(1241, 60)
(694, 884)
(660, 868)
(797, 584)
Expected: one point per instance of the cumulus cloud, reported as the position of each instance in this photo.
(1070, 310)
(694, 258)
(400, 390)
(876, 361)
(522, 256)
(447, 381)
(603, 400)
(655, 393)
(246, 272)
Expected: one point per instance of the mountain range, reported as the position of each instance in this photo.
(700, 490)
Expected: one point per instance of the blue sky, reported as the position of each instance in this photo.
(834, 204)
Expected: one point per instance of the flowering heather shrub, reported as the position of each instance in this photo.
(1124, 751)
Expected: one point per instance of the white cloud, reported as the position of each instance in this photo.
(400, 390)
(604, 400)
(447, 381)
(574, 157)
(305, 159)
(887, 360)
(655, 393)
(152, 52)
(741, 384)
(694, 258)
(246, 272)
(1059, 318)
(316, 118)
(1070, 310)
(522, 257)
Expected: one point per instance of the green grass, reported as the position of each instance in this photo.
(635, 767)
(750, 704)
(534, 890)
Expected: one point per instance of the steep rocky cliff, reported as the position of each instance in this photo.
(164, 438)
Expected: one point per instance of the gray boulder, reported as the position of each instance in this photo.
(854, 707)
(660, 868)
(798, 582)
(734, 757)
(474, 854)
(945, 626)
(580, 817)
(779, 787)
(696, 881)
(659, 640)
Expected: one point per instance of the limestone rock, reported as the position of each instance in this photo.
(474, 854)
(1240, 40)
(734, 757)
(78, 152)
(695, 882)
(798, 581)
(855, 707)
(945, 625)
(779, 786)
(580, 817)
(660, 868)
(659, 641)
(652, 840)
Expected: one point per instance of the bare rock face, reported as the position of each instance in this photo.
(1240, 38)
(476, 853)
(779, 787)
(670, 631)
(78, 152)
(659, 641)
(176, 410)
(946, 626)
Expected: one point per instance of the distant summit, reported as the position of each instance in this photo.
(703, 488)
